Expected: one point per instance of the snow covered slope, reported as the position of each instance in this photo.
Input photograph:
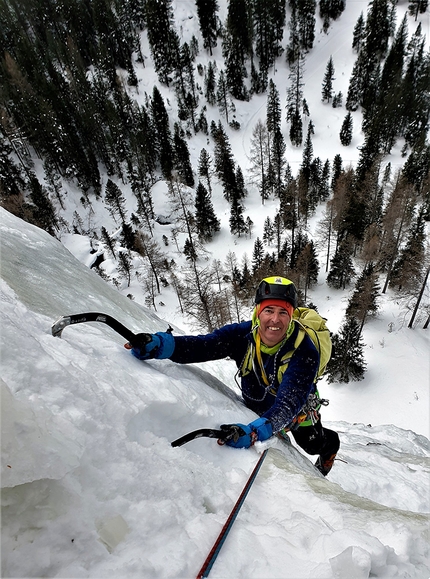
(92, 488)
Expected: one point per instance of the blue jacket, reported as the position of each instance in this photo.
(282, 402)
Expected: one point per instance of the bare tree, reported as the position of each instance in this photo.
(150, 249)
(260, 157)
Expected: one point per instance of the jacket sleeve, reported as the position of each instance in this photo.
(228, 341)
(297, 383)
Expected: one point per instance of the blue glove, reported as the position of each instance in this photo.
(244, 436)
(161, 346)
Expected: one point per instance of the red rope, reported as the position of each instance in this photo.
(210, 560)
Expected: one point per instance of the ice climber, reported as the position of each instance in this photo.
(277, 376)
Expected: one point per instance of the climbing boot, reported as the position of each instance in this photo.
(324, 466)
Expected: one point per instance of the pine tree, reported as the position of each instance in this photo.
(160, 121)
(346, 130)
(182, 158)
(207, 222)
(293, 50)
(43, 213)
(223, 99)
(341, 267)
(363, 301)
(294, 102)
(124, 266)
(210, 83)
(237, 46)
(358, 34)
(224, 163)
(207, 14)
(163, 40)
(268, 231)
(306, 22)
(327, 86)
(108, 241)
(347, 359)
(307, 268)
(408, 268)
(237, 221)
(273, 109)
(128, 236)
(337, 170)
(257, 255)
(115, 201)
(278, 162)
(417, 7)
(378, 27)
(205, 168)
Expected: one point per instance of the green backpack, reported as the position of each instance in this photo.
(315, 327)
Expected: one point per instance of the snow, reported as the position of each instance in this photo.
(91, 486)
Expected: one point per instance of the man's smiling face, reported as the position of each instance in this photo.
(274, 322)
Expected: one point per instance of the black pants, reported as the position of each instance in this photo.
(315, 439)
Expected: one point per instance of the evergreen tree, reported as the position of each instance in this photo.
(241, 191)
(417, 167)
(237, 45)
(257, 255)
(347, 359)
(363, 301)
(127, 236)
(205, 168)
(182, 158)
(346, 130)
(224, 163)
(273, 109)
(337, 170)
(43, 213)
(327, 87)
(185, 85)
(306, 23)
(417, 7)
(124, 266)
(358, 33)
(294, 102)
(307, 268)
(160, 120)
(269, 20)
(325, 174)
(341, 267)
(268, 231)
(210, 83)
(331, 9)
(237, 221)
(162, 37)
(414, 101)
(207, 222)
(293, 49)
(223, 99)
(408, 269)
(108, 241)
(378, 27)
(115, 201)
(278, 161)
(207, 14)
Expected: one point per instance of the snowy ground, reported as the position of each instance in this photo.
(92, 487)
(90, 484)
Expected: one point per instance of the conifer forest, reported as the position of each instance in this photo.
(80, 132)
